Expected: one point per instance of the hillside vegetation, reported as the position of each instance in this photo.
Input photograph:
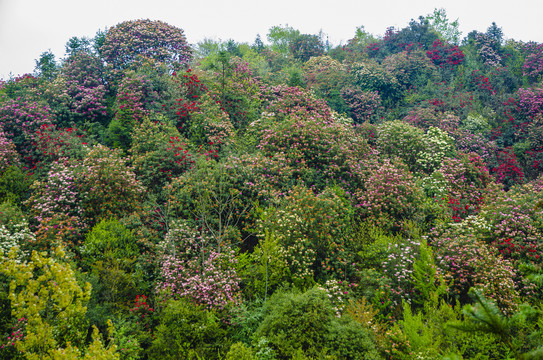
(381, 199)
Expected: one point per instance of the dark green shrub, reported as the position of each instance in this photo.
(188, 331)
(349, 339)
(296, 320)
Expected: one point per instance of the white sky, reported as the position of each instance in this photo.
(31, 27)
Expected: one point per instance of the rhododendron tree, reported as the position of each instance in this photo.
(152, 39)
(20, 122)
(193, 267)
(363, 105)
(399, 139)
(8, 154)
(533, 64)
(79, 95)
(390, 196)
(108, 186)
(134, 97)
(513, 220)
(313, 231)
(467, 179)
(467, 262)
(283, 100)
(321, 152)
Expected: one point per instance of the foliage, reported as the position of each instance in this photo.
(45, 292)
(188, 331)
(305, 46)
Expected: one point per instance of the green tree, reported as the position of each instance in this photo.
(447, 29)
(45, 293)
(305, 46)
(281, 37)
(46, 66)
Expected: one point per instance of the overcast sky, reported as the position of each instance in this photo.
(31, 27)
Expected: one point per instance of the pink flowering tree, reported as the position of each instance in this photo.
(465, 262)
(193, 267)
(533, 64)
(20, 122)
(135, 95)
(390, 196)
(79, 95)
(146, 38)
(363, 105)
(8, 154)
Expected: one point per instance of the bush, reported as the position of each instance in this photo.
(187, 331)
(296, 320)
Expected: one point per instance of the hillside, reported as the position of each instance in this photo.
(381, 199)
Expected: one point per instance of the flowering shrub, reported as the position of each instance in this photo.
(507, 171)
(486, 47)
(362, 104)
(8, 154)
(59, 195)
(443, 55)
(313, 230)
(143, 312)
(53, 144)
(25, 87)
(466, 262)
(514, 219)
(212, 282)
(211, 125)
(338, 292)
(78, 94)
(398, 139)
(390, 196)
(158, 154)
(531, 101)
(108, 186)
(438, 146)
(467, 178)
(134, 97)
(320, 152)
(152, 39)
(469, 142)
(20, 122)
(193, 266)
(533, 64)
(16, 235)
(399, 268)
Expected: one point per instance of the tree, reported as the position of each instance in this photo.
(447, 29)
(282, 37)
(496, 33)
(45, 293)
(520, 332)
(75, 45)
(305, 46)
(151, 39)
(46, 66)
